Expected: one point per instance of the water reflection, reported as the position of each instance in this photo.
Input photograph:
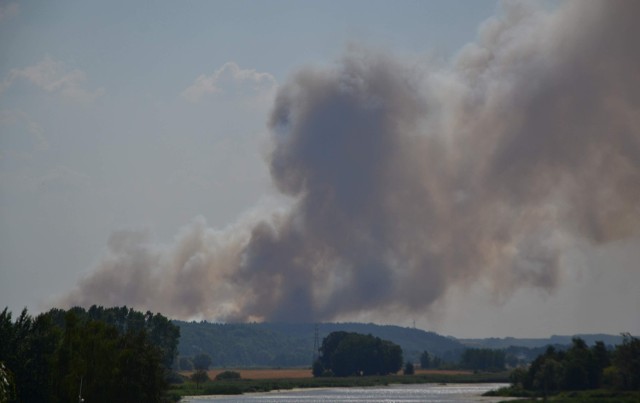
(453, 393)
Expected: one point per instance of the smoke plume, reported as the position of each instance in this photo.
(409, 177)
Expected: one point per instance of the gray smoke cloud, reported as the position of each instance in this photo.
(408, 177)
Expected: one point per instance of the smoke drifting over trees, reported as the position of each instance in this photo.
(408, 178)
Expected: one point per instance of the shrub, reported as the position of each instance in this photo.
(227, 375)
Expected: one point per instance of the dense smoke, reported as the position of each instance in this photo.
(409, 177)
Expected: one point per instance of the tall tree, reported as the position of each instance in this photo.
(425, 360)
(347, 354)
(627, 360)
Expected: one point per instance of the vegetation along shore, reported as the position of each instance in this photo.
(119, 354)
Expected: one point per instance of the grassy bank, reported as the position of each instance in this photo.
(588, 396)
(240, 386)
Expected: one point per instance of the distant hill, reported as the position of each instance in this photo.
(291, 344)
(505, 342)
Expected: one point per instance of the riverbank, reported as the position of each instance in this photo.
(588, 396)
(257, 384)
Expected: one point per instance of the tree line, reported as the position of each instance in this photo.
(484, 359)
(349, 354)
(481, 359)
(100, 355)
(582, 367)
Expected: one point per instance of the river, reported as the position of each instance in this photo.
(450, 393)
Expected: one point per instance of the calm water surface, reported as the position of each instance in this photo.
(451, 393)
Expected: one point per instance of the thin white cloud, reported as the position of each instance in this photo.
(230, 78)
(54, 77)
(9, 10)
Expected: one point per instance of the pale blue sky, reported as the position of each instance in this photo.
(99, 131)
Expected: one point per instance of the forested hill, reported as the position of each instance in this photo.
(499, 343)
(291, 344)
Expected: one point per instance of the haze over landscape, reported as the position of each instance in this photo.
(470, 166)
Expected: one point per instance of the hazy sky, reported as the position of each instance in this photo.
(153, 119)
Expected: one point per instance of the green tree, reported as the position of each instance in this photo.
(199, 377)
(581, 367)
(329, 346)
(52, 355)
(317, 369)
(141, 373)
(627, 360)
(600, 359)
(96, 351)
(391, 357)
(408, 368)
(518, 378)
(549, 377)
(162, 333)
(534, 378)
(16, 353)
(43, 341)
(576, 365)
(425, 360)
(88, 354)
(346, 354)
(201, 362)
